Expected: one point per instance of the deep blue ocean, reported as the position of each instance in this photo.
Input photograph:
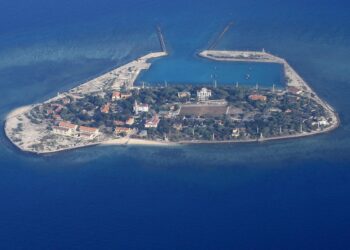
(292, 194)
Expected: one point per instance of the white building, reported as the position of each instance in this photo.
(140, 107)
(322, 122)
(184, 94)
(235, 132)
(203, 94)
(65, 128)
(62, 131)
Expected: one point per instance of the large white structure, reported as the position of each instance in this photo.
(140, 107)
(62, 131)
(65, 128)
(203, 94)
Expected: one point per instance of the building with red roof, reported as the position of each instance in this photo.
(116, 96)
(153, 122)
(105, 108)
(65, 124)
(260, 98)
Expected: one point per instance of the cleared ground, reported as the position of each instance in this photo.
(203, 110)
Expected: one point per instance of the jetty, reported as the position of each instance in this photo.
(294, 82)
(220, 36)
(161, 39)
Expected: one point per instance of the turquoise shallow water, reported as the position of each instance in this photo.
(281, 195)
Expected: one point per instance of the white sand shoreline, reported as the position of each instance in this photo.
(133, 141)
(144, 142)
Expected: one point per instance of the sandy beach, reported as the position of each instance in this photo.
(132, 141)
(18, 111)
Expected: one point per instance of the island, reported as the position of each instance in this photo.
(114, 109)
